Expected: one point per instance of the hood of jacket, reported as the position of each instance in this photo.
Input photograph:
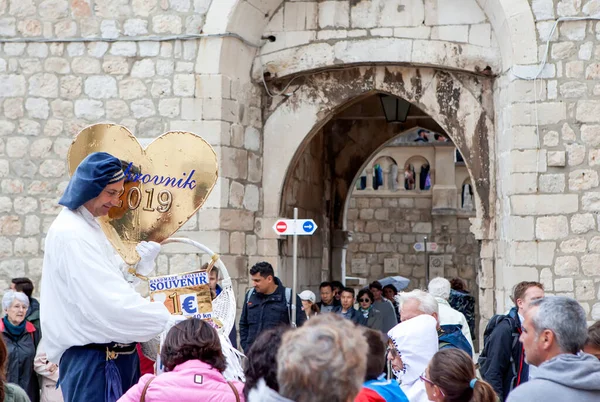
(579, 372)
(416, 340)
(262, 393)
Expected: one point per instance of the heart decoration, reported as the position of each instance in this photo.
(165, 183)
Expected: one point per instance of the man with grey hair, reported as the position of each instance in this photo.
(440, 289)
(417, 302)
(554, 333)
(321, 362)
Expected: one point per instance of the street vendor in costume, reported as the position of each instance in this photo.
(91, 315)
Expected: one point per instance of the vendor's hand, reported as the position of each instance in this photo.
(51, 367)
(148, 251)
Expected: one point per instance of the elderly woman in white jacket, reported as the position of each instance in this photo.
(412, 344)
(48, 373)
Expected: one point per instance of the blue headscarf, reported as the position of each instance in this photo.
(94, 173)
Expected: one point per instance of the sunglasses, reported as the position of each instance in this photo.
(428, 381)
(364, 300)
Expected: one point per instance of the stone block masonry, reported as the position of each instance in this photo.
(385, 230)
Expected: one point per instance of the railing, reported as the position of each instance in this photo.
(389, 186)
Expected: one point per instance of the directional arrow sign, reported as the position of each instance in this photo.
(421, 246)
(300, 227)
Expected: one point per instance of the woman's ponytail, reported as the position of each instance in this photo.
(483, 392)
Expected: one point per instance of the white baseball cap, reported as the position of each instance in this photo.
(307, 295)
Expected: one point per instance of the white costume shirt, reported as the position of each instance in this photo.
(84, 295)
(449, 316)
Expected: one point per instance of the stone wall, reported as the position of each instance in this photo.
(385, 230)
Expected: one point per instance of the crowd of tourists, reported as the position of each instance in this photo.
(378, 346)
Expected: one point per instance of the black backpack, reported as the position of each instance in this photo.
(483, 362)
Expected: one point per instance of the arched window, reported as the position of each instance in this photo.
(417, 174)
(466, 198)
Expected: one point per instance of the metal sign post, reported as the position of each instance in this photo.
(295, 227)
(294, 270)
(426, 260)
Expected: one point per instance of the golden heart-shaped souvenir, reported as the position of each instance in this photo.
(165, 184)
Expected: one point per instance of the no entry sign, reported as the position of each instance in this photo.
(280, 227)
(301, 227)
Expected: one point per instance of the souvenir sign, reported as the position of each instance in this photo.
(186, 294)
(165, 184)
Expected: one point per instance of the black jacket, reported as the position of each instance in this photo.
(33, 315)
(335, 303)
(503, 343)
(262, 312)
(354, 315)
(21, 353)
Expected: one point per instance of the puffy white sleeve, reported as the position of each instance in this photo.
(107, 301)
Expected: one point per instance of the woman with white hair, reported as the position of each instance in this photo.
(21, 340)
(411, 346)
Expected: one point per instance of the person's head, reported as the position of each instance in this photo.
(375, 353)
(321, 362)
(451, 376)
(439, 287)
(337, 287)
(24, 285)
(525, 292)
(553, 326)
(592, 344)
(214, 276)
(326, 291)
(458, 284)
(96, 184)
(262, 359)
(417, 302)
(412, 344)
(365, 298)
(263, 277)
(377, 290)
(347, 298)
(192, 339)
(15, 304)
(309, 302)
(389, 292)
(422, 133)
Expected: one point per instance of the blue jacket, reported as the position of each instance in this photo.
(262, 312)
(389, 390)
(450, 336)
(353, 315)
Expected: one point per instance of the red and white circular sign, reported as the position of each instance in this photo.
(281, 226)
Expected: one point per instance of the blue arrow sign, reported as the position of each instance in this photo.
(308, 226)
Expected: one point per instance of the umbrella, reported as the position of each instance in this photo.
(399, 282)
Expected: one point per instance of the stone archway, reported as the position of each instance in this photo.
(298, 129)
(442, 95)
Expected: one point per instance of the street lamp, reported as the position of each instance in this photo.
(394, 108)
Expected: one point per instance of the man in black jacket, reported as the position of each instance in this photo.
(266, 306)
(503, 363)
(347, 309)
(328, 301)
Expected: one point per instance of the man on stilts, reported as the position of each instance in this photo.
(91, 315)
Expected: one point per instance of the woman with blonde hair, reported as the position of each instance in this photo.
(451, 377)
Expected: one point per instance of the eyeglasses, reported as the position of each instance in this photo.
(364, 300)
(392, 351)
(428, 381)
